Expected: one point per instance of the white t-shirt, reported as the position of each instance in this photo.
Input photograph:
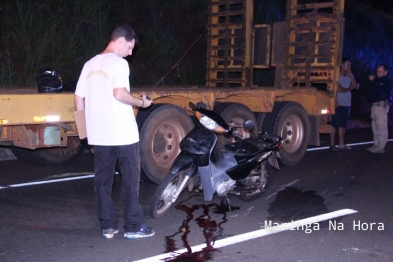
(109, 122)
(344, 98)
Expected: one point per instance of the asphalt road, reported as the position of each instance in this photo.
(57, 221)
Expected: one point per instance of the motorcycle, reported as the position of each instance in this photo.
(241, 170)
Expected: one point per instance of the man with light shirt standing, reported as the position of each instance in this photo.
(339, 121)
(103, 90)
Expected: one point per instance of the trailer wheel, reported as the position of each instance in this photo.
(260, 117)
(232, 113)
(24, 155)
(54, 156)
(289, 120)
(161, 127)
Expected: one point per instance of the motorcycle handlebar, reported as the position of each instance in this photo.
(237, 135)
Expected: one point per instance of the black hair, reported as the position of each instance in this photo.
(385, 67)
(124, 31)
(345, 59)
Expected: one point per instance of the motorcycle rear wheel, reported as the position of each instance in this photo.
(167, 192)
(254, 186)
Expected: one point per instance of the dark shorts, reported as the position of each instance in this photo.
(340, 119)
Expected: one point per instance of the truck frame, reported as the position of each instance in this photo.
(304, 51)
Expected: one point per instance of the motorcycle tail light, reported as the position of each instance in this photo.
(198, 115)
(219, 129)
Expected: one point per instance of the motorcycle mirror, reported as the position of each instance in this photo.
(192, 106)
(249, 125)
(201, 105)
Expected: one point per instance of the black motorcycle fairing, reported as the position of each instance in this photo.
(183, 161)
(242, 149)
(242, 170)
(247, 153)
(199, 143)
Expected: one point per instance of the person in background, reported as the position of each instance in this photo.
(103, 90)
(346, 84)
(381, 87)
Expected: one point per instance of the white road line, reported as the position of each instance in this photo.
(324, 192)
(354, 144)
(89, 176)
(254, 234)
(46, 181)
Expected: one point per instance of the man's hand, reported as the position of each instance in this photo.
(123, 95)
(371, 77)
(146, 101)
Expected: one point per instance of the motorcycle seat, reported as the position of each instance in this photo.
(241, 148)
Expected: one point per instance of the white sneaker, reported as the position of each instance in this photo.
(142, 233)
(377, 150)
(110, 232)
(373, 147)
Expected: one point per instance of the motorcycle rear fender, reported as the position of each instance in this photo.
(183, 161)
(242, 170)
(273, 160)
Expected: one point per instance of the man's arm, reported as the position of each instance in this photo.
(342, 89)
(121, 94)
(79, 102)
(386, 89)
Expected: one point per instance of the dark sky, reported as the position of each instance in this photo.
(383, 5)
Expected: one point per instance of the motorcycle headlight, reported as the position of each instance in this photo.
(209, 123)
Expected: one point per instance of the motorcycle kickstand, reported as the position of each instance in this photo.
(228, 203)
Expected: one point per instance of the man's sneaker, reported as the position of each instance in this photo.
(372, 148)
(142, 233)
(377, 150)
(109, 233)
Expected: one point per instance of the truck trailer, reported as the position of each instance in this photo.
(304, 52)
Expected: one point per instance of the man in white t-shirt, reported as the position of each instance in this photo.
(339, 121)
(103, 90)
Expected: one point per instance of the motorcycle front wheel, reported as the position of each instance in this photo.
(168, 192)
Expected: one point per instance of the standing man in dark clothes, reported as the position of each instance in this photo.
(381, 88)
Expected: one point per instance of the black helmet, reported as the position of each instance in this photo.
(49, 81)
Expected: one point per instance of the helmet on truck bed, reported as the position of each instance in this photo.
(49, 81)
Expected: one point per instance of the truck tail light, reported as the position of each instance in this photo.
(325, 111)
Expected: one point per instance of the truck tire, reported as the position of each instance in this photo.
(24, 155)
(289, 120)
(260, 117)
(161, 128)
(54, 156)
(232, 113)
